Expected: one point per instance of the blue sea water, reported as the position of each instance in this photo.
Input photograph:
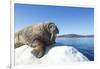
(84, 45)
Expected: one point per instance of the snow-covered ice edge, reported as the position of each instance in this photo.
(54, 55)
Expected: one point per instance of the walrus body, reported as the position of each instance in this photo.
(37, 36)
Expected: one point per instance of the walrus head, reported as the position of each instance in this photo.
(53, 30)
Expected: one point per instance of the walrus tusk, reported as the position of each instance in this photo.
(52, 39)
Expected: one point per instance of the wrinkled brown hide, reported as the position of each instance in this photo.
(37, 36)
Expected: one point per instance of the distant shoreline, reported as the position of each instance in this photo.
(75, 36)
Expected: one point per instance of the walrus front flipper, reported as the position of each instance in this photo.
(39, 48)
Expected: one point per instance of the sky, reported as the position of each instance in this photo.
(69, 20)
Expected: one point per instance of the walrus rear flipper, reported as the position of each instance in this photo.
(18, 45)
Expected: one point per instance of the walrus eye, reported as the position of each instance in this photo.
(52, 28)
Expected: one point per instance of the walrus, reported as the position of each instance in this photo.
(37, 36)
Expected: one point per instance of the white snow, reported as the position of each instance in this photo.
(54, 55)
